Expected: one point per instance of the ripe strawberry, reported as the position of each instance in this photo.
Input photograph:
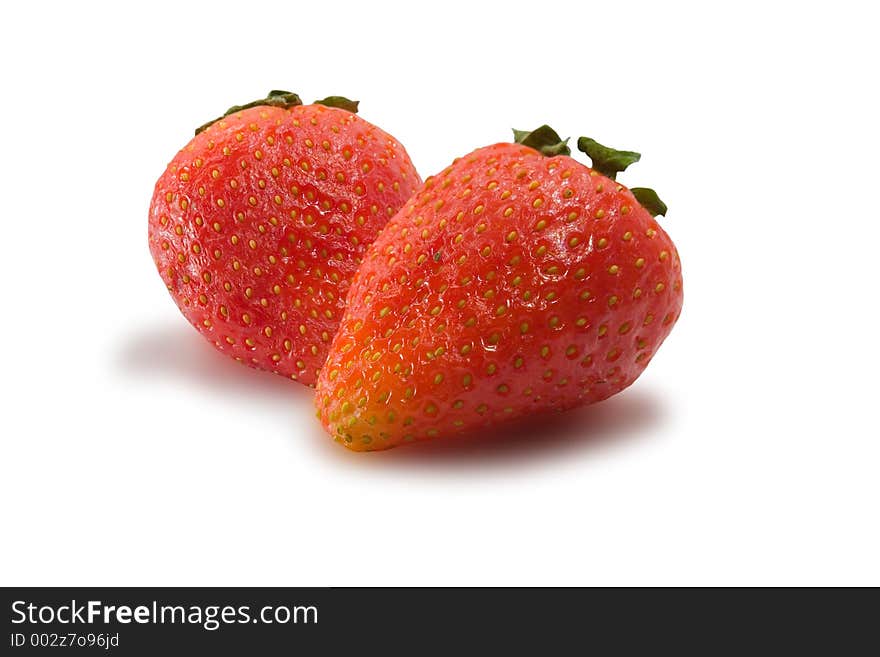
(513, 282)
(259, 223)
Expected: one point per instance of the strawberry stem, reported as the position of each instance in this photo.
(610, 161)
(340, 102)
(545, 140)
(275, 98)
(607, 161)
(285, 99)
(649, 200)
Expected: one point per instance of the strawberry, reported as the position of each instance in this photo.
(258, 224)
(517, 281)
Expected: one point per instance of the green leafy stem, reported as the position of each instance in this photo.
(607, 161)
(285, 99)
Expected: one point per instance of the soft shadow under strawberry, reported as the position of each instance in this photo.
(633, 414)
(175, 353)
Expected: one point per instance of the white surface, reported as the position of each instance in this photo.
(748, 453)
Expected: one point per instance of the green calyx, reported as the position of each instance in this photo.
(285, 99)
(340, 102)
(545, 140)
(607, 161)
(275, 98)
(610, 161)
(649, 200)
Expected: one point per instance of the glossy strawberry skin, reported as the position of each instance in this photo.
(259, 223)
(510, 284)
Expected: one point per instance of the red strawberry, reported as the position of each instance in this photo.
(511, 283)
(259, 223)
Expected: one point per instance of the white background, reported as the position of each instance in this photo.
(748, 453)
